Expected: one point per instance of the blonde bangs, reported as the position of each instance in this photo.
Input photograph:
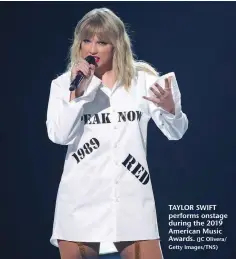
(97, 27)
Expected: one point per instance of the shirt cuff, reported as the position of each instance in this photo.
(169, 115)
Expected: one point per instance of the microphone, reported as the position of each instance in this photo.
(80, 76)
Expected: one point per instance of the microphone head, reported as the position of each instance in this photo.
(90, 60)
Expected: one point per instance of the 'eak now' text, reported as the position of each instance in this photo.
(102, 118)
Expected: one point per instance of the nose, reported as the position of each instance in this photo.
(93, 48)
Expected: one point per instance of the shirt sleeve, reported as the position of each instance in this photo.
(172, 126)
(64, 117)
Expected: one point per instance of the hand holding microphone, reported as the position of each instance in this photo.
(83, 69)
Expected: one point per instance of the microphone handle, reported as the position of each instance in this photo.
(75, 83)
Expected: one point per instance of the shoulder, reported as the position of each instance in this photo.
(60, 85)
(145, 73)
(146, 78)
(62, 80)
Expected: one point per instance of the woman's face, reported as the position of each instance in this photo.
(102, 51)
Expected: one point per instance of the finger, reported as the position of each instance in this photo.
(91, 70)
(84, 69)
(156, 93)
(92, 67)
(87, 69)
(169, 80)
(83, 64)
(167, 84)
(160, 89)
(152, 99)
(83, 61)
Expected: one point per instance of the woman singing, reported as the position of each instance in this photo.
(105, 193)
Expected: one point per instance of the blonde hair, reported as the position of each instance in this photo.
(109, 27)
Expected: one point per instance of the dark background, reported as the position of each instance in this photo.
(196, 40)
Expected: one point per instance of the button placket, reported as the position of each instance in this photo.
(117, 197)
(114, 125)
(114, 117)
(117, 180)
(113, 111)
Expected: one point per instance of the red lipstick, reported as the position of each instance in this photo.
(96, 59)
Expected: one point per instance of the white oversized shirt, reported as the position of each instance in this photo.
(105, 193)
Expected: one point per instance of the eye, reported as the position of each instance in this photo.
(102, 43)
(86, 41)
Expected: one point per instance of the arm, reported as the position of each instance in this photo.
(173, 125)
(64, 116)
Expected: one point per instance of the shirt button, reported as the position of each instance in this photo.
(115, 145)
(115, 127)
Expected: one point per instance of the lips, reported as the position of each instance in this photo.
(96, 59)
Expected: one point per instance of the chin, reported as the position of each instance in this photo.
(99, 65)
